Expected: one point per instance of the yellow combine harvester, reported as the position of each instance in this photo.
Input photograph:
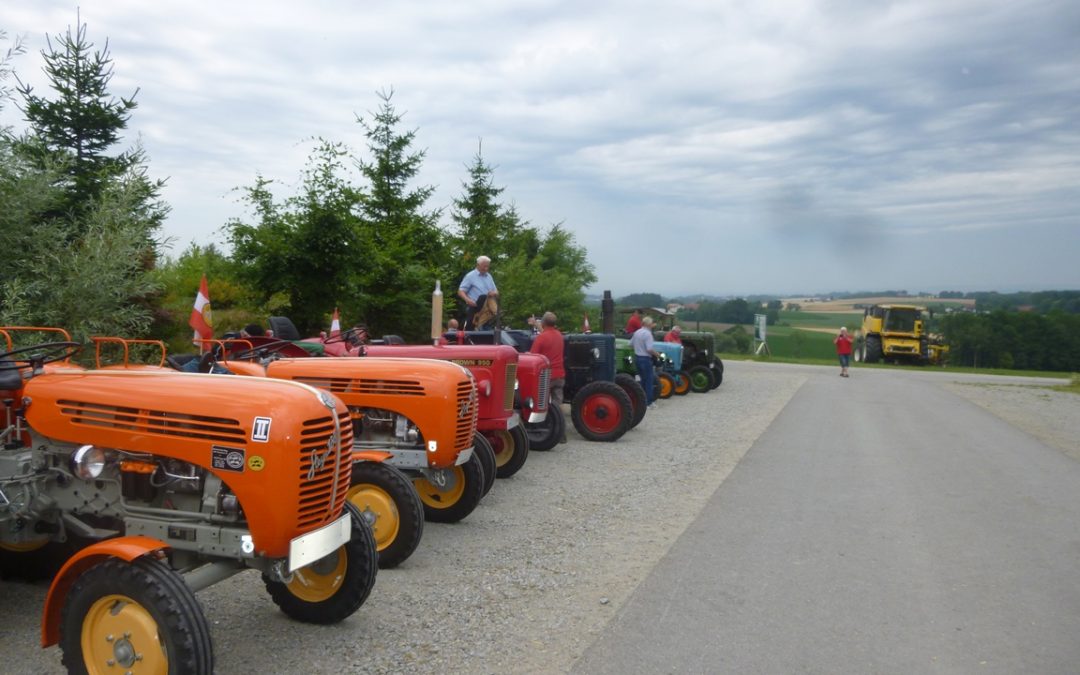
(897, 333)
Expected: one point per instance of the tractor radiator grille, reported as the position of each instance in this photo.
(545, 386)
(325, 470)
(349, 385)
(153, 422)
(508, 392)
(466, 419)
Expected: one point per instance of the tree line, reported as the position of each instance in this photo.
(83, 221)
(1009, 339)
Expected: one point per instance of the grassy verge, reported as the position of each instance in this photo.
(1073, 386)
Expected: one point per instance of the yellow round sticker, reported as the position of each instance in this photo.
(256, 463)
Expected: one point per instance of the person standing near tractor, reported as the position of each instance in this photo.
(633, 323)
(673, 335)
(549, 343)
(475, 289)
(843, 350)
(642, 342)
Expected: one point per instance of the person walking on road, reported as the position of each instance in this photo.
(477, 286)
(843, 350)
(642, 342)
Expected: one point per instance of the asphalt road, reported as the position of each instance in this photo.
(880, 525)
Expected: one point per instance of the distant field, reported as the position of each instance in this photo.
(848, 304)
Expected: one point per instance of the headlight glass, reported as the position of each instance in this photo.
(88, 462)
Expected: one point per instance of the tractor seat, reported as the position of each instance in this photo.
(284, 328)
(179, 361)
(10, 380)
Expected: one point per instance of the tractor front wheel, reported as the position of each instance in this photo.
(665, 385)
(451, 494)
(873, 349)
(547, 434)
(511, 448)
(486, 454)
(638, 401)
(134, 617)
(682, 383)
(386, 500)
(701, 379)
(601, 411)
(333, 588)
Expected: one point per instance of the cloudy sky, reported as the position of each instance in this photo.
(717, 146)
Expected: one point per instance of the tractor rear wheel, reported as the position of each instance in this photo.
(547, 434)
(386, 500)
(638, 400)
(134, 616)
(332, 589)
(482, 449)
(451, 494)
(716, 366)
(601, 411)
(701, 379)
(682, 383)
(873, 349)
(511, 448)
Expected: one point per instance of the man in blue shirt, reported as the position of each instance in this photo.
(477, 286)
(642, 342)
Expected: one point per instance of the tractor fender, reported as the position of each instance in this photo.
(371, 455)
(126, 548)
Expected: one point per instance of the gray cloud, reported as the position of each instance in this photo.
(769, 145)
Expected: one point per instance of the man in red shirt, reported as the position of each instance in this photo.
(843, 350)
(634, 323)
(549, 343)
(673, 335)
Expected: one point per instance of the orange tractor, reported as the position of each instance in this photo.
(413, 427)
(156, 485)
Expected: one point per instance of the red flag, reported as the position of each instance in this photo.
(585, 327)
(335, 324)
(201, 319)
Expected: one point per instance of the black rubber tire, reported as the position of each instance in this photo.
(682, 383)
(544, 436)
(511, 449)
(717, 368)
(453, 510)
(873, 349)
(858, 350)
(605, 402)
(638, 400)
(389, 484)
(701, 379)
(361, 566)
(665, 385)
(181, 625)
(482, 449)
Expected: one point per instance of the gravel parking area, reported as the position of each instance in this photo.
(527, 582)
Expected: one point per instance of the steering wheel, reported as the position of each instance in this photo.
(260, 352)
(40, 354)
(353, 336)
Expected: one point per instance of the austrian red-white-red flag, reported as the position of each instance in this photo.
(201, 319)
(335, 324)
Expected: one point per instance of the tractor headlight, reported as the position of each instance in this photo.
(88, 462)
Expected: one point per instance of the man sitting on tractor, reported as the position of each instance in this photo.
(673, 335)
(633, 323)
(475, 289)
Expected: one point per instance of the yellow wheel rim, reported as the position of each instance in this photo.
(440, 498)
(321, 579)
(24, 547)
(378, 509)
(503, 445)
(665, 387)
(120, 636)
